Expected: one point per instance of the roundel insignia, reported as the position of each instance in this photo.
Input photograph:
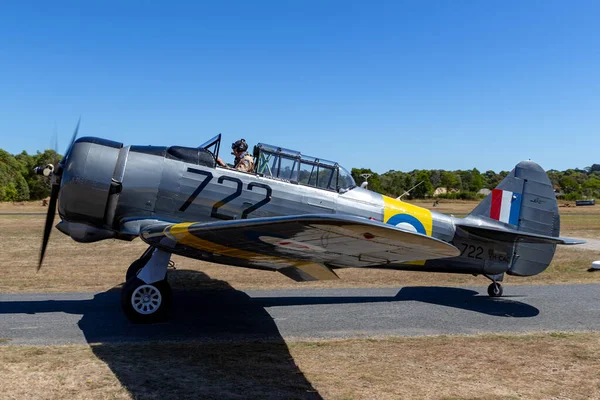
(407, 222)
(407, 216)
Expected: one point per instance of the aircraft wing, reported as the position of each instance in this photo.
(302, 247)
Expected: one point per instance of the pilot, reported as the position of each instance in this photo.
(243, 162)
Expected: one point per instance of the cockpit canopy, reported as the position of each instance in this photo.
(292, 166)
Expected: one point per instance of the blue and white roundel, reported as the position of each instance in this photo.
(407, 222)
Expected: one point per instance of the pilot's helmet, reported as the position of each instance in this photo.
(240, 145)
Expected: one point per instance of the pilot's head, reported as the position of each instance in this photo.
(239, 147)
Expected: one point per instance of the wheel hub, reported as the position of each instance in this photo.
(146, 299)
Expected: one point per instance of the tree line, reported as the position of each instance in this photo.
(18, 182)
(465, 184)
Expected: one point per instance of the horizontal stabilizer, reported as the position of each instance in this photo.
(511, 235)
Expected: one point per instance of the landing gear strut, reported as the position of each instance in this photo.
(138, 264)
(146, 296)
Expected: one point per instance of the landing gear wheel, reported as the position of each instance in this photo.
(146, 303)
(495, 289)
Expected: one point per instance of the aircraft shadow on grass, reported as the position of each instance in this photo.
(237, 347)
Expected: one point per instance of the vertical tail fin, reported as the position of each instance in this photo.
(525, 201)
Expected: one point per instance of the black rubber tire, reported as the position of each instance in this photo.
(138, 264)
(163, 311)
(134, 268)
(495, 290)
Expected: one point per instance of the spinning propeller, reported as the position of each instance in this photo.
(55, 171)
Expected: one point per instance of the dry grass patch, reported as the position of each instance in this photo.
(568, 207)
(69, 266)
(56, 372)
(540, 366)
(22, 207)
(455, 207)
(478, 367)
(569, 265)
(153, 371)
(583, 226)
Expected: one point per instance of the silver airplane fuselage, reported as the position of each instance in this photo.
(112, 191)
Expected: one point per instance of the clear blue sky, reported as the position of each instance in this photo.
(388, 85)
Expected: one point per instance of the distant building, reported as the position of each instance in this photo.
(443, 190)
(440, 190)
(484, 192)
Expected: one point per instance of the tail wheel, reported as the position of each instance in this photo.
(495, 289)
(146, 303)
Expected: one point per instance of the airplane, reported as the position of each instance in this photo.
(301, 216)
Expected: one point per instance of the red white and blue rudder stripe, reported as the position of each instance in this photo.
(506, 206)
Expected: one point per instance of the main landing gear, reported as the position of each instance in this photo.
(146, 296)
(495, 288)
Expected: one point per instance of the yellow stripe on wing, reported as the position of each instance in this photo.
(181, 234)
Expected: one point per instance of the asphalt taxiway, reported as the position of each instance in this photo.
(39, 319)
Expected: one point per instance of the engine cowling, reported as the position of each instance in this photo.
(86, 183)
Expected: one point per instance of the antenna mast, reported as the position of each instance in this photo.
(408, 191)
(365, 183)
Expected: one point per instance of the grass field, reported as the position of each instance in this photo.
(70, 266)
(539, 366)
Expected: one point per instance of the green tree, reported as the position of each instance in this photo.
(39, 186)
(13, 186)
(392, 183)
(436, 177)
(476, 181)
(374, 180)
(425, 188)
(492, 179)
(569, 185)
(409, 181)
(449, 180)
(555, 177)
(591, 187)
(594, 168)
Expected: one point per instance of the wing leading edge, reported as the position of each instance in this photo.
(298, 246)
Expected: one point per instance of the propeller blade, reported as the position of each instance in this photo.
(64, 160)
(49, 221)
(55, 161)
